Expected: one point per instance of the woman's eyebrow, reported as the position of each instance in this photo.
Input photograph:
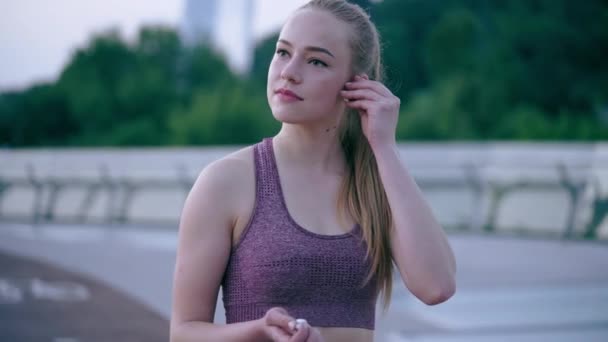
(310, 48)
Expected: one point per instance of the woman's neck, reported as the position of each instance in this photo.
(317, 149)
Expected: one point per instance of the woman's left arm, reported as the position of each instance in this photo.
(419, 246)
(420, 249)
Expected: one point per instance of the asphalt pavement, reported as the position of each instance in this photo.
(114, 283)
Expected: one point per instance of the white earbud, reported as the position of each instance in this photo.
(297, 324)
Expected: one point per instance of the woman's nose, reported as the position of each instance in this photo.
(291, 73)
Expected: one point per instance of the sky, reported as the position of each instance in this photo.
(37, 37)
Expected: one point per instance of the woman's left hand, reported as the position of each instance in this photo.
(313, 334)
(378, 107)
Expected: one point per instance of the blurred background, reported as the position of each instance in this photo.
(109, 110)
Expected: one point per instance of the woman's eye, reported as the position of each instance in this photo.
(317, 62)
(281, 52)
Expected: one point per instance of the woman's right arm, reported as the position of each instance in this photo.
(204, 245)
(205, 240)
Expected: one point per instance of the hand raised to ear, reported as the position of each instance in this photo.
(378, 108)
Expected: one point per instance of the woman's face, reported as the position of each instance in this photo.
(310, 66)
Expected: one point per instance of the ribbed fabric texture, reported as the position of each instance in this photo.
(276, 262)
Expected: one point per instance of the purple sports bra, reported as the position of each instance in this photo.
(276, 262)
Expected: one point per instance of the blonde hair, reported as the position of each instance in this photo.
(362, 193)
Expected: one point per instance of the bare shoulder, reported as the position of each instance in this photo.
(229, 170)
(228, 183)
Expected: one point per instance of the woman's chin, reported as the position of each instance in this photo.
(290, 117)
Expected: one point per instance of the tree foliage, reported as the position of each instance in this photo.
(464, 69)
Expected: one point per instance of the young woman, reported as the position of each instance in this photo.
(306, 225)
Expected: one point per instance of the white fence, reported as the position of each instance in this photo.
(547, 189)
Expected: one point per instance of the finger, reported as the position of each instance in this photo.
(360, 94)
(279, 317)
(361, 83)
(278, 335)
(315, 336)
(361, 77)
(368, 84)
(302, 334)
(364, 105)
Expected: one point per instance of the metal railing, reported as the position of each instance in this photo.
(488, 193)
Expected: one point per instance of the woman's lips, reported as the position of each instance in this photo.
(288, 95)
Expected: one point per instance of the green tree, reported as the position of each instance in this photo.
(507, 55)
(223, 116)
(403, 26)
(200, 67)
(464, 69)
(452, 44)
(91, 79)
(262, 55)
(36, 117)
(123, 94)
(365, 4)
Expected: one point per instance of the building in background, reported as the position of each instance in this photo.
(199, 21)
(227, 26)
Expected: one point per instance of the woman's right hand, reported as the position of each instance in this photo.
(278, 326)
